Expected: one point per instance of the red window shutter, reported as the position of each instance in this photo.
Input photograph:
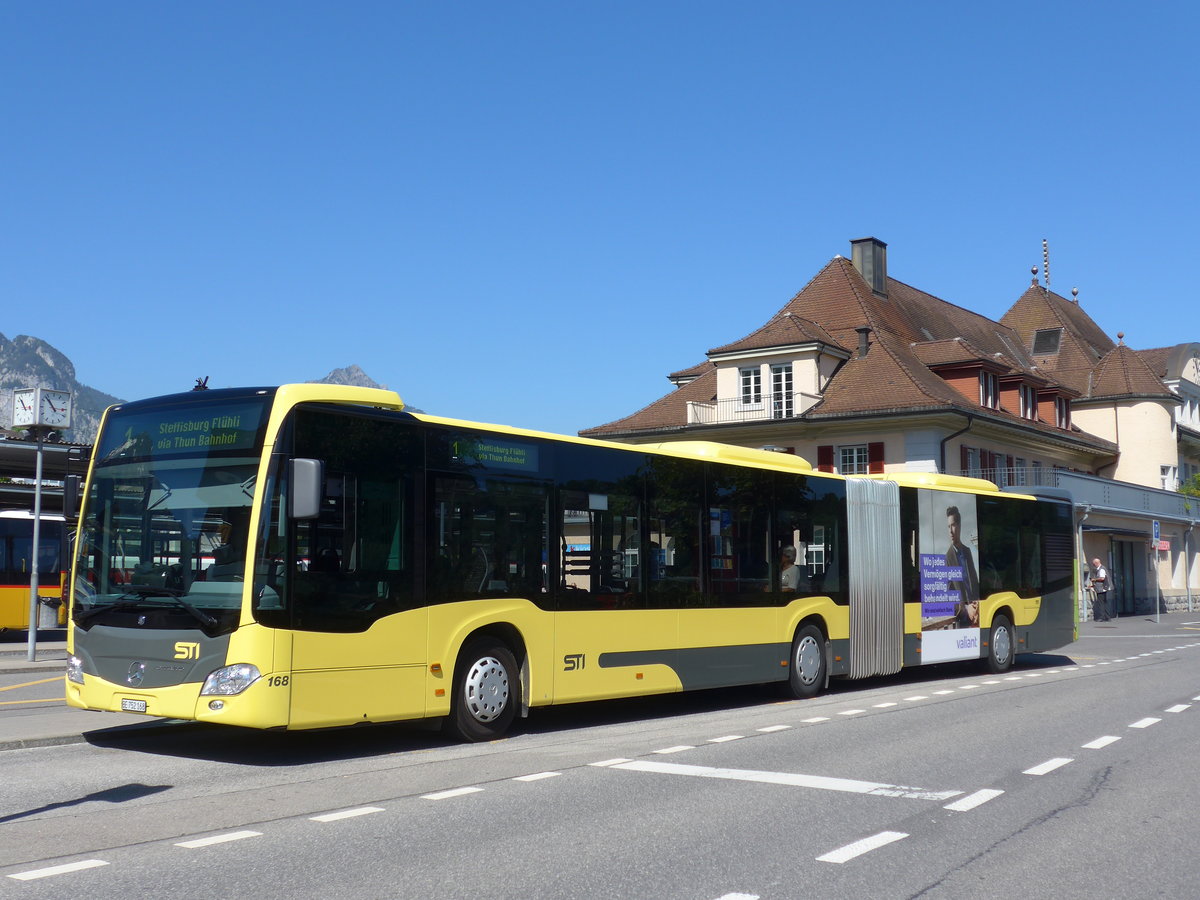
(964, 460)
(825, 458)
(875, 458)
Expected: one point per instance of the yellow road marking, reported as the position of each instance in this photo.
(50, 700)
(13, 687)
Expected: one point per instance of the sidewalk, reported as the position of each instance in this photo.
(21, 729)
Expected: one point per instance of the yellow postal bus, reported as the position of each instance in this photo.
(312, 555)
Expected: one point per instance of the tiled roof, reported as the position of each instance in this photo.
(666, 412)
(1081, 345)
(890, 377)
(691, 372)
(1123, 373)
(1169, 362)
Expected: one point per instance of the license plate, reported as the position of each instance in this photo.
(133, 705)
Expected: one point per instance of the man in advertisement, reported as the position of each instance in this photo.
(959, 555)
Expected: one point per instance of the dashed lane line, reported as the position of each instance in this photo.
(453, 792)
(34, 874)
(971, 801)
(858, 848)
(1048, 766)
(218, 839)
(1101, 742)
(346, 814)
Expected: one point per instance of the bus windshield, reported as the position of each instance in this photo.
(164, 537)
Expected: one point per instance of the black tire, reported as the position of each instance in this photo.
(809, 663)
(1002, 645)
(487, 691)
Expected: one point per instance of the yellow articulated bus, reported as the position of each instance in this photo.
(312, 555)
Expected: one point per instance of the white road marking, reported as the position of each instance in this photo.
(915, 698)
(678, 749)
(34, 874)
(1145, 723)
(851, 712)
(738, 897)
(1101, 743)
(1178, 707)
(771, 728)
(346, 814)
(816, 719)
(726, 739)
(968, 687)
(537, 776)
(610, 762)
(973, 800)
(1048, 766)
(858, 848)
(819, 782)
(219, 839)
(454, 792)
(884, 705)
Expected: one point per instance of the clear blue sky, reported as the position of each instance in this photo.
(532, 212)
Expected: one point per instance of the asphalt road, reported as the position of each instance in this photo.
(1072, 776)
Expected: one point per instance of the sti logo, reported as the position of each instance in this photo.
(187, 650)
(573, 661)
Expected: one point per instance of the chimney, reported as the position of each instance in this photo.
(864, 342)
(869, 256)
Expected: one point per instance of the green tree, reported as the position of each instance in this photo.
(1191, 486)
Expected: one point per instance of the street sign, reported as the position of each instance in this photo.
(1164, 546)
(1156, 531)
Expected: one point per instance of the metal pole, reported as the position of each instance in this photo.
(34, 551)
(1157, 584)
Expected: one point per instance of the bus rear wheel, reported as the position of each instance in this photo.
(1001, 645)
(809, 663)
(487, 691)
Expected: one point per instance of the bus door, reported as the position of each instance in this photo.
(359, 645)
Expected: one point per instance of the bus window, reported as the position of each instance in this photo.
(600, 546)
(676, 496)
(809, 528)
(739, 512)
(491, 538)
(352, 564)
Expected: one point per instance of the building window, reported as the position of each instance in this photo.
(1028, 402)
(1018, 474)
(1046, 341)
(972, 466)
(1062, 408)
(989, 390)
(781, 391)
(751, 380)
(1169, 481)
(853, 460)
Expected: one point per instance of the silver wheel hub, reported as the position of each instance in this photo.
(486, 689)
(808, 659)
(1002, 645)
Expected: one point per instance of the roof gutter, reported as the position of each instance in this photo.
(942, 451)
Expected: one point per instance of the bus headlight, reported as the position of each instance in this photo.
(230, 680)
(75, 669)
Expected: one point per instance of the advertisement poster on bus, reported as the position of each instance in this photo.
(948, 566)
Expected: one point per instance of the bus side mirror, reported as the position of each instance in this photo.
(71, 490)
(307, 478)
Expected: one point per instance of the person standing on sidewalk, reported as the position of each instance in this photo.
(1101, 586)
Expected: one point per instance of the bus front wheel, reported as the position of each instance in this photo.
(1001, 646)
(487, 691)
(809, 662)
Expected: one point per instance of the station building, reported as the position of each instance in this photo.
(862, 373)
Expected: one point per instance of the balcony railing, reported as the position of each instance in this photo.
(1101, 493)
(785, 405)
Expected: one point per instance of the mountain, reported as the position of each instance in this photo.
(351, 375)
(27, 362)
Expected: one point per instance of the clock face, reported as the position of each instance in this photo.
(24, 410)
(56, 409)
